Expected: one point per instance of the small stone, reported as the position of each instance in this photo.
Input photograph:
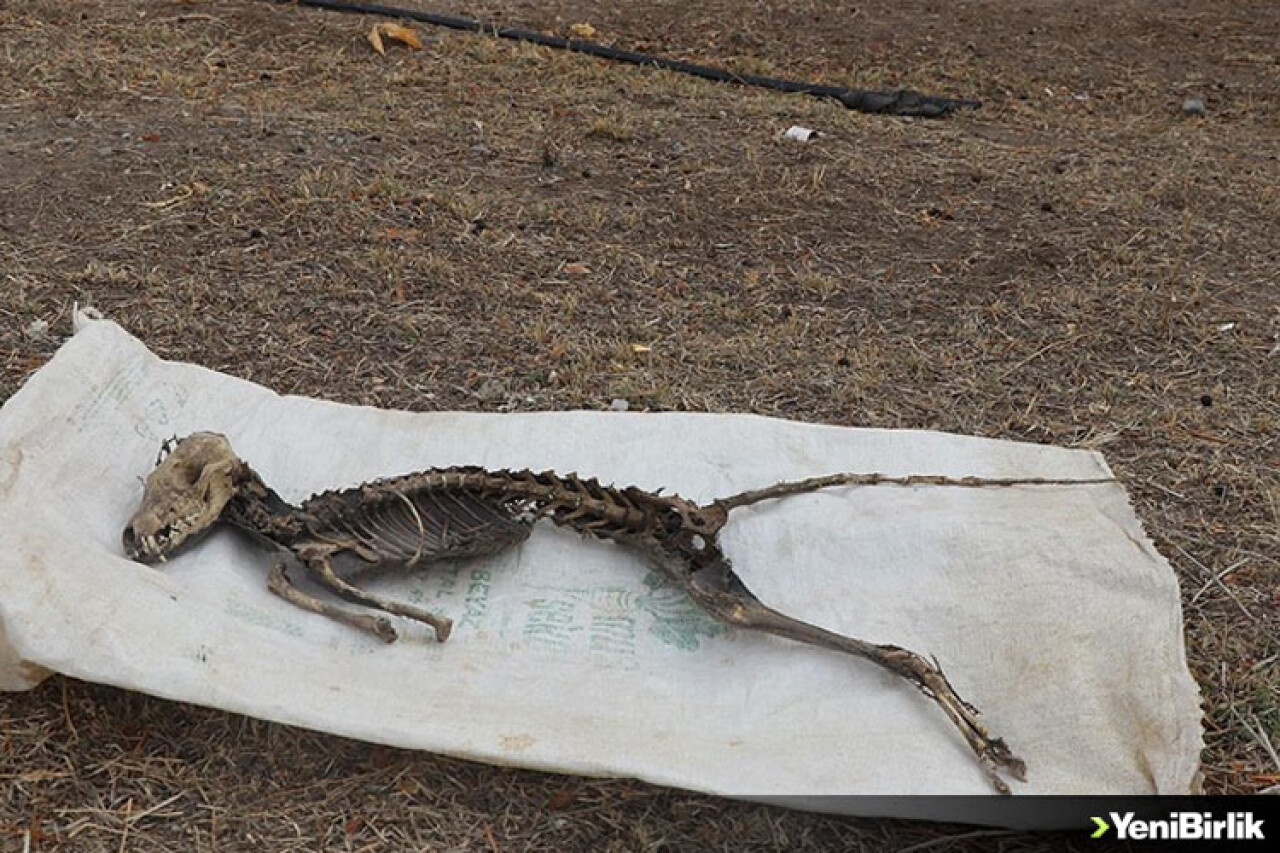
(1193, 107)
(490, 390)
(38, 330)
(619, 405)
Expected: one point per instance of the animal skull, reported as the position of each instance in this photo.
(183, 497)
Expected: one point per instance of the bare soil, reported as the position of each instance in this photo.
(491, 226)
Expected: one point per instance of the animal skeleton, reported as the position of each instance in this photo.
(452, 513)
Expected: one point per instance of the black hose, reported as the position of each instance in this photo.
(901, 103)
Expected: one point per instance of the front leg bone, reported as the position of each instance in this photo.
(321, 568)
(279, 583)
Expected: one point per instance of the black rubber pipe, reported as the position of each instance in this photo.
(901, 103)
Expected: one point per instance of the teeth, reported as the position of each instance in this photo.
(155, 546)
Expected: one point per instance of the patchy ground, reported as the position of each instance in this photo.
(484, 225)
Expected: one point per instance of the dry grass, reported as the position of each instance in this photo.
(485, 225)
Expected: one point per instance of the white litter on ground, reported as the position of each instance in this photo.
(796, 133)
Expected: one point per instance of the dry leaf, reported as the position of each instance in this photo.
(561, 799)
(577, 269)
(391, 234)
(641, 349)
(395, 32)
(402, 34)
(582, 31)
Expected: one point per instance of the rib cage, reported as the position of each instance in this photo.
(449, 513)
(411, 527)
(568, 500)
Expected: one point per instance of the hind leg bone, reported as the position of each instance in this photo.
(722, 594)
